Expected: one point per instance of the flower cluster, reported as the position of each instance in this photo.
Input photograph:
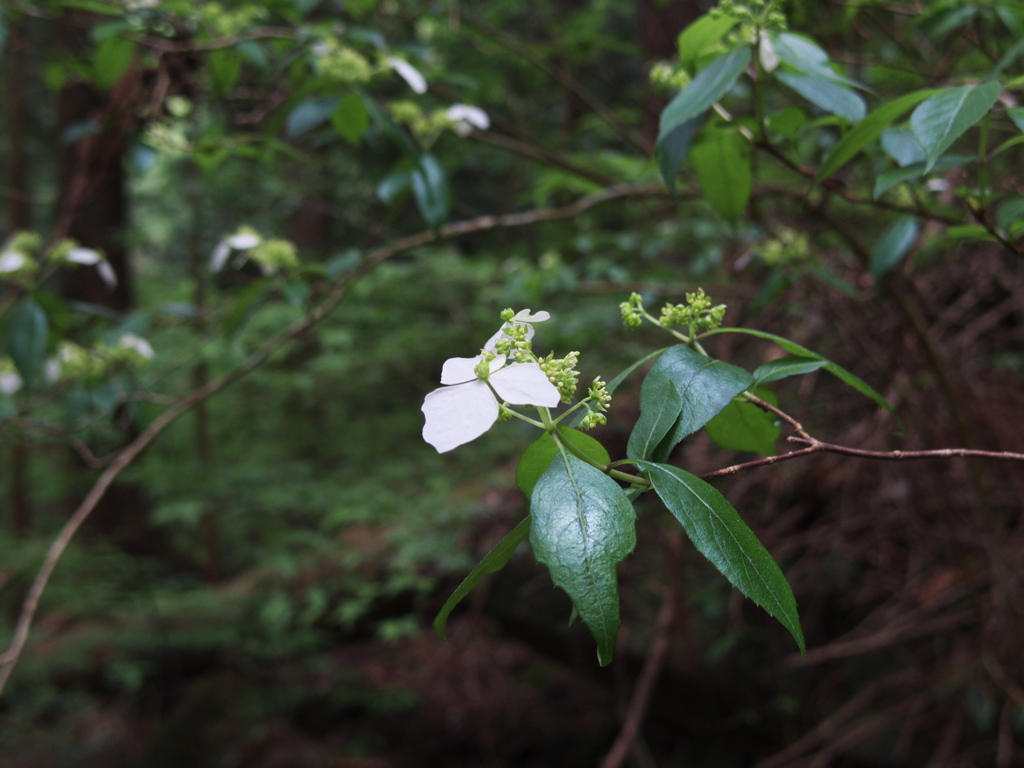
(272, 256)
(561, 372)
(597, 403)
(697, 313)
(788, 248)
(17, 258)
(632, 311)
(340, 63)
(669, 75)
(476, 388)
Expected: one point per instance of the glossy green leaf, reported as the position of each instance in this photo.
(704, 385)
(538, 455)
(351, 118)
(867, 131)
(722, 162)
(807, 57)
(430, 188)
(1017, 115)
(700, 36)
(659, 412)
(795, 349)
(1009, 212)
(308, 115)
(674, 149)
(787, 122)
(742, 426)
(893, 245)
(583, 526)
(26, 341)
(889, 179)
(944, 117)
(716, 80)
(493, 562)
(719, 533)
(225, 66)
(784, 367)
(112, 58)
(902, 146)
(829, 96)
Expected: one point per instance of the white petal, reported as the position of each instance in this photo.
(219, 257)
(409, 73)
(107, 273)
(769, 58)
(52, 370)
(524, 316)
(525, 384)
(243, 241)
(12, 261)
(459, 370)
(474, 116)
(139, 344)
(83, 256)
(457, 415)
(10, 383)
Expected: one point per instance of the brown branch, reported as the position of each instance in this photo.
(9, 659)
(653, 663)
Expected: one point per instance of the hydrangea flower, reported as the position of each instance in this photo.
(465, 118)
(409, 73)
(90, 257)
(467, 406)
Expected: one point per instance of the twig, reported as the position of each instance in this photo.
(9, 659)
(653, 663)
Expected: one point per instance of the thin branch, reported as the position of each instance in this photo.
(9, 659)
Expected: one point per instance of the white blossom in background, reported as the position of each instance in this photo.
(466, 118)
(240, 241)
(52, 370)
(766, 52)
(107, 273)
(85, 256)
(10, 382)
(136, 344)
(523, 317)
(409, 73)
(467, 406)
(12, 261)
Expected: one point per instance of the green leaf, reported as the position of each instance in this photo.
(112, 58)
(705, 89)
(659, 412)
(673, 150)
(742, 426)
(583, 526)
(893, 245)
(351, 118)
(943, 118)
(538, 455)
(890, 179)
(1017, 114)
(830, 96)
(902, 146)
(309, 114)
(26, 341)
(701, 35)
(244, 307)
(795, 349)
(1008, 212)
(787, 122)
(430, 188)
(806, 56)
(225, 66)
(719, 533)
(493, 562)
(868, 131)
(722, 162)
(704, 386)
(784, 367)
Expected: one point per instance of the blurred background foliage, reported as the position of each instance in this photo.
(256, 589)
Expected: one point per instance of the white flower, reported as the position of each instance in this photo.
(107, 273)
(466, 118)
(240, 241)
(766, 52)
(52, 370)
(83, 256)
(12, 261)
(523, 317)
(10, 382)
(136, 343)
(409, 73)
(467, 406)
